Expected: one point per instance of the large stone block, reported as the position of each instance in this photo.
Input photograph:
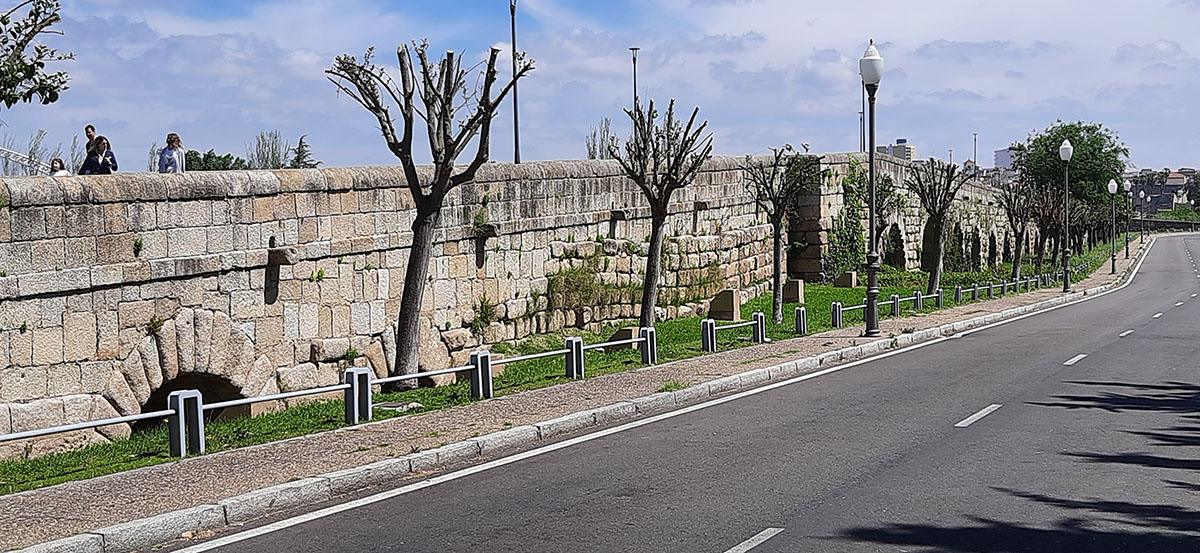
(726, 306)
(793, 291)
(23, 383)
(47, 345)
(848, 279)
(204, 332)
(35, 415)
(79, 336)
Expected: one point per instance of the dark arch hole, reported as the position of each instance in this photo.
(213, 388)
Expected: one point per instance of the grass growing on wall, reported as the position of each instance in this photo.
(677, 339)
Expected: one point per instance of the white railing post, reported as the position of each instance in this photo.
(481, 375)
(649, 346)
(801, 320)
(358, 396)
(186, 426)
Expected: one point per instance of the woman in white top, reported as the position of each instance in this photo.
(172, 159)
(58, 168)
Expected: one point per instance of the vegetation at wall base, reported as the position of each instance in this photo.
(678, 339)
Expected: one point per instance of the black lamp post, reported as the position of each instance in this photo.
(512, 10)
(1064, 153)
(871, 69)
(1112, 191)
(634, 50)
(1142, 215)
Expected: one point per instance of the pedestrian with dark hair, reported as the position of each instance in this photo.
(101, 161)
(90, 132)
(172, 159)
(58, 168)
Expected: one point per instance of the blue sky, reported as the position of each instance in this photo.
(763, 72)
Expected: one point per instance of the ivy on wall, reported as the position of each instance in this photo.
(846, 250)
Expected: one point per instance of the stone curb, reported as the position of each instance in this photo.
(155, 530)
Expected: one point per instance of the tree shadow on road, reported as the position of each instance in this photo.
(1093, 526)
(1176, 397)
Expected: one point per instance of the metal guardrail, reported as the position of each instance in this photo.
(185, 412)
(709, 328)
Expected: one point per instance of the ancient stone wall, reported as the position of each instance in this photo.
(115, 290)
(976, 210)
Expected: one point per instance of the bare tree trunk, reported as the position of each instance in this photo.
(408, 327)
(937, 226)
(777, 269)
(653, 269)
(1018, 252)
(1041, 252)
(1056, 243)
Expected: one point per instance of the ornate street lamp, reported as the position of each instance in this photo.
(1064, 153)
(870, 67)
(1128, 196)
(1112, 191)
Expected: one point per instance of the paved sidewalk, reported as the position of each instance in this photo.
(49, 513)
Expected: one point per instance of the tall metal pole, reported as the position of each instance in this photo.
(862, 121)
(1066, 238)
(512, 10)
(1114, 233)
(872, 309)
(1129, 197)
(975, 150)
(634, 50)
(951, 156)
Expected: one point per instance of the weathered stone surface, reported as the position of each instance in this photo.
(380, 472)
(166, 343)
(303, 376)
(848, 279)
(204, 333)
(135, 375)
(726, 306)
(81, 543)
(47, 345)
(793, 291)
(252, 505)
(185, 340)
(23, 383)
(79, 335)
(329, 349)
(377, 358)
(148, 351)
(219, 354)
(35, 415)
(507, 440)
(148, 532)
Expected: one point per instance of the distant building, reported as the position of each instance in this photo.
(901, 149)
(1004, 158)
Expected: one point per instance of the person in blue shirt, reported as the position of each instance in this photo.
(172, 159)
(101, 160)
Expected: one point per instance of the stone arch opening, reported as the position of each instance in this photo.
(212, 388)
(894, 247)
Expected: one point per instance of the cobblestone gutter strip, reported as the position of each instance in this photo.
(155, 530)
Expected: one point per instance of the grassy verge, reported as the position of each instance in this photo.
(677, 339)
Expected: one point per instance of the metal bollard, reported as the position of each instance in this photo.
(708, 335)
(481, 377)
(990, 286)
(958, 294)
(941, 293)
(801, 321)
(919, 300)
(975, 292)
(358, 396)
(649, 346)
(836, 314)
(895, 305)
(575, 351)
(186, 426)
(760, 327)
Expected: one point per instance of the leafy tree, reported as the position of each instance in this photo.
(660, 158)
(598, 140)
(936, 184)
(210, 161)
(23, 74)
(775, 182)
(302, 156)
(438, 93)
(1099, 156)
(270, 151)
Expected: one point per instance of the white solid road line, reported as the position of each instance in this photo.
(385, 495)
(1157, 315)
(1124, 334)
(1075, 359)
(755, 541)
(982, 413)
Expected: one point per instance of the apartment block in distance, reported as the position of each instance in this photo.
(901, 149)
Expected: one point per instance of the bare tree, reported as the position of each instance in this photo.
(598, 140)
(270, 151)
(660, 159)
(152, 157)
(1016, 199)
(775, 182)
(936, 184)
(437, 93)
(77, 155)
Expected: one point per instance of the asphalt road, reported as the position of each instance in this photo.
(1100, 455)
